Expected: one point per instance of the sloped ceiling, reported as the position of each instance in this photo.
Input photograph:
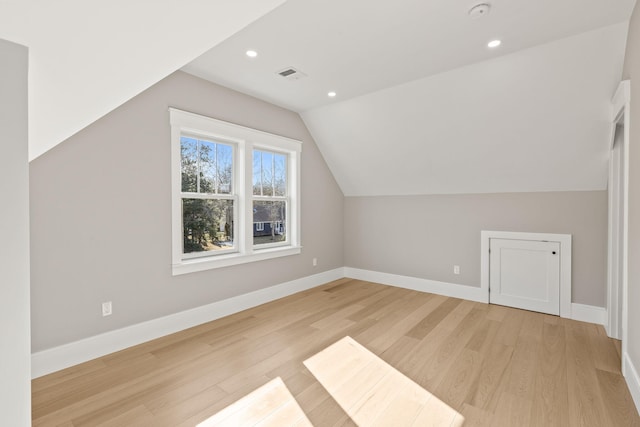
(88, 57)
(423, 106)
(534, 120)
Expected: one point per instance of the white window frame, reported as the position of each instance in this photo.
(244, 140)
(259, 226)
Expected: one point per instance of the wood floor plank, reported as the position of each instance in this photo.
(587, 408)
(476, 417)
(430, 375)
(176, 410)
(414, 360)
(408, 319)
(269, 405)
(620, 410)
(512, 411)
(550, 401)
(461, 377)
(492, 365)
(605, 355)
(524, 362)
(434, 318)
(137, 416)
(493, 371)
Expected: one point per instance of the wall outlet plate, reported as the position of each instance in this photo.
(107, 308)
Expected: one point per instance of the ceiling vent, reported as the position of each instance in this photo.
(291, 73)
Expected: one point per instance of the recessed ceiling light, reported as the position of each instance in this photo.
(252, 53)
(331, 94)
(494, 43)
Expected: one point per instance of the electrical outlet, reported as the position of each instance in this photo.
(456, 269)
(315, 262)
(107, 309)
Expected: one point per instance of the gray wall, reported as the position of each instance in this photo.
(632, 71)
(101, 225)
(425, 236)
(15, 360)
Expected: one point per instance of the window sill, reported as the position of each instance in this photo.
(209, 263)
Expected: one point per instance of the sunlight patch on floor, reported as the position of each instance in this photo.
(271, 405)
(373, 393)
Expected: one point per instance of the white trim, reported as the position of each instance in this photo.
(565, 261)
(620, 112)
(589, 313)
(64, 356)
(633, 380)
(454, 290)
(620, 100)
(226, 260)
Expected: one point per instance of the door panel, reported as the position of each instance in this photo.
(525, 274)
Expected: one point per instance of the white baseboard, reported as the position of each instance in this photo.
(417, 284)
(589, 313)
(581, 312)
(633, 380)
(64, 356)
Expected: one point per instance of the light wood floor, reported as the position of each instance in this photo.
(496, 366)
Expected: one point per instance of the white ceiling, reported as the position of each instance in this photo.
(87, 57)
(534, 120)
(423, 106)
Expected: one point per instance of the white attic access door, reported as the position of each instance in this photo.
(531, 271)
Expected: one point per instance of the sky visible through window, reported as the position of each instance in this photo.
(269, 173)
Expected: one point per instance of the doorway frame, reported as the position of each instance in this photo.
(620, 104)
(565, 261)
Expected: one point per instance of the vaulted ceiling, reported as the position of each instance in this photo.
(87, 57)
(423, 106)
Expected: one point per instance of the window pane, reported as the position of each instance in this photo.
(207, 167)
(280, 174)
(269, 222)
(207, 225)
(269, 173)
(257, 173)
(224, 167)
(189, 154)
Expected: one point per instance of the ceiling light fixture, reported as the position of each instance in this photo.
(331, 94)
(252, 53)
(494, 43)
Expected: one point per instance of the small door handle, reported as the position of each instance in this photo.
(554, 252)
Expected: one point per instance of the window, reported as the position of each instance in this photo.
(206, 196)
(235, 194)
(270, 199)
